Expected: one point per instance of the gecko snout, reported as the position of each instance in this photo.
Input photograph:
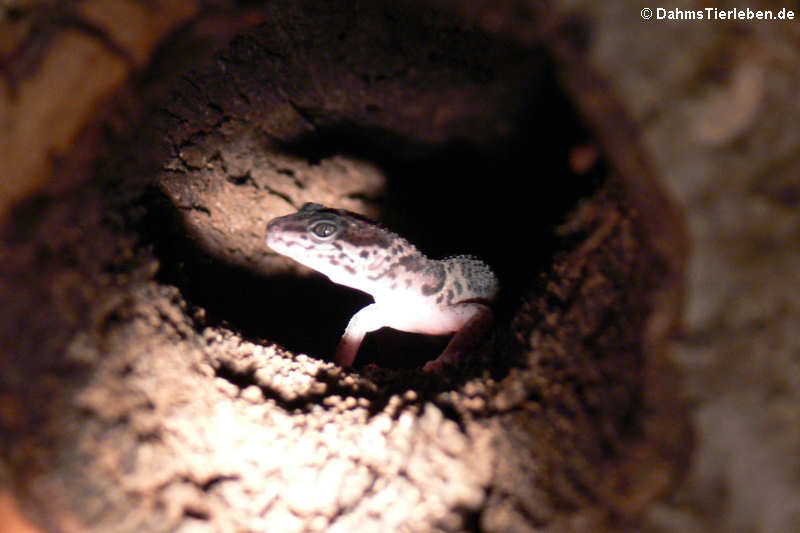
(273, 233)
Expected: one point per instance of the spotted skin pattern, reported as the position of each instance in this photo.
(412, 292)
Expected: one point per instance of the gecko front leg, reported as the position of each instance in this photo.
(369, 318)
(478, 319)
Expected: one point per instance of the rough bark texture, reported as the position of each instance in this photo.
(718, 106)
(153, 350)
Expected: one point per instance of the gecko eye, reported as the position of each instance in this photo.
(323, 230)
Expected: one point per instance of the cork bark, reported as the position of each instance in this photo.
(163, 370)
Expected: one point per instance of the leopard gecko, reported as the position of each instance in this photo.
(412, 292)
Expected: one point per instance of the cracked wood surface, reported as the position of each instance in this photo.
(60, 64)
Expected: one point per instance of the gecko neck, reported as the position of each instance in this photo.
(382, 269)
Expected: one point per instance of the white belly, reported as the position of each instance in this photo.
(416, 315)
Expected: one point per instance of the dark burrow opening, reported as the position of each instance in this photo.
(501, 202)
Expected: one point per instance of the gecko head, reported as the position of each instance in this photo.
(310, 228)
(331, 241)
